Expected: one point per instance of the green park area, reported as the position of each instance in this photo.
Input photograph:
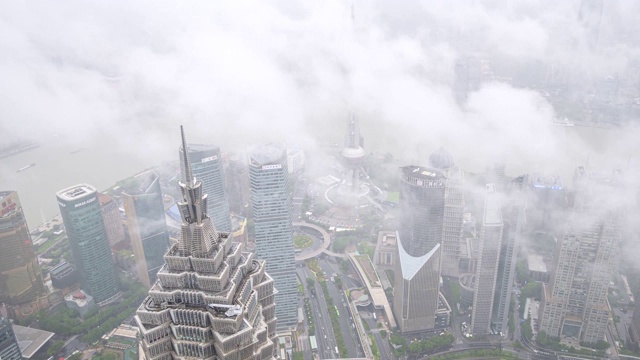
(302, 241)
(393, 196)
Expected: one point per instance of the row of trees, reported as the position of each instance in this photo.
(67, 322)
(434, 343)
(335, 324)
(400, 348)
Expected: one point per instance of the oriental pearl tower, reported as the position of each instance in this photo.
(353, 156)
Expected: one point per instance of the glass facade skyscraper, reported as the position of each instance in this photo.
(271, 202)
(206, 164)
(9, 349)
(80, 210)
(488, 259)
(422, 203)
(20, 276)
(143, 206)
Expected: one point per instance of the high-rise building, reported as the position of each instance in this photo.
(20, 275)
(416, 290)
(271, 202)
(9, 349)
(112, 219)
(634, 328)
(238, 185)
(206, 163)
(575, 306)
(82, 216)
(144, 208)
(452, 221)
(211, 300)
(422, 191)
(514, 221)
(547, 197)
(487, 268)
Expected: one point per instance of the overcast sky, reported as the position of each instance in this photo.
(240, 72)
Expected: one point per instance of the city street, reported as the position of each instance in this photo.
(345, 319)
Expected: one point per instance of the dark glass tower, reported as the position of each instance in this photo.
(9, 349)
(271, 202)
(147, 225)
(206, 164)
(422, 203)
(488, 260)
(211, 300)
(20, 276)
(80, 210)
(421, 209)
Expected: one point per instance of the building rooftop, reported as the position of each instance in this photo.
(139, 184)
(267, 154)
(536, 263)
(30, 340)
(76, 192)
(79, 297)
(4, 194)
(546, 182)
(61, 268)
(492, 214)
(421, 172)
(200, 147)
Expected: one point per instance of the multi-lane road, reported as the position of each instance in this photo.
(324, 333)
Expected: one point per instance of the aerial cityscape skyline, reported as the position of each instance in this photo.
(363, 180)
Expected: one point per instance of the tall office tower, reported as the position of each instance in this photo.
(453, 212)
(237, 177)
(80, 210)
(207, 166)
(9, 349)
(20, 276)
(147, 224)
(548, 203)
(112, 219)
(575, 306)
(422, 192)
(211, 300)
(271, 202)
(416, 289)
(487, 270)
(514, 221)
(495, 172)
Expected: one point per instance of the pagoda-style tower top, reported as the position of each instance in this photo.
(198, 233)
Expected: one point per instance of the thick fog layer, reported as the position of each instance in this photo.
(480, 78)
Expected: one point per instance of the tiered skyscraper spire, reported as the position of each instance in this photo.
(211, 300)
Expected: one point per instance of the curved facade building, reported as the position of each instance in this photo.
(419, 250)
(142, 200)
(20, 275)
(416, 290)
(211, 300)
(82, 216)
(422, 193)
